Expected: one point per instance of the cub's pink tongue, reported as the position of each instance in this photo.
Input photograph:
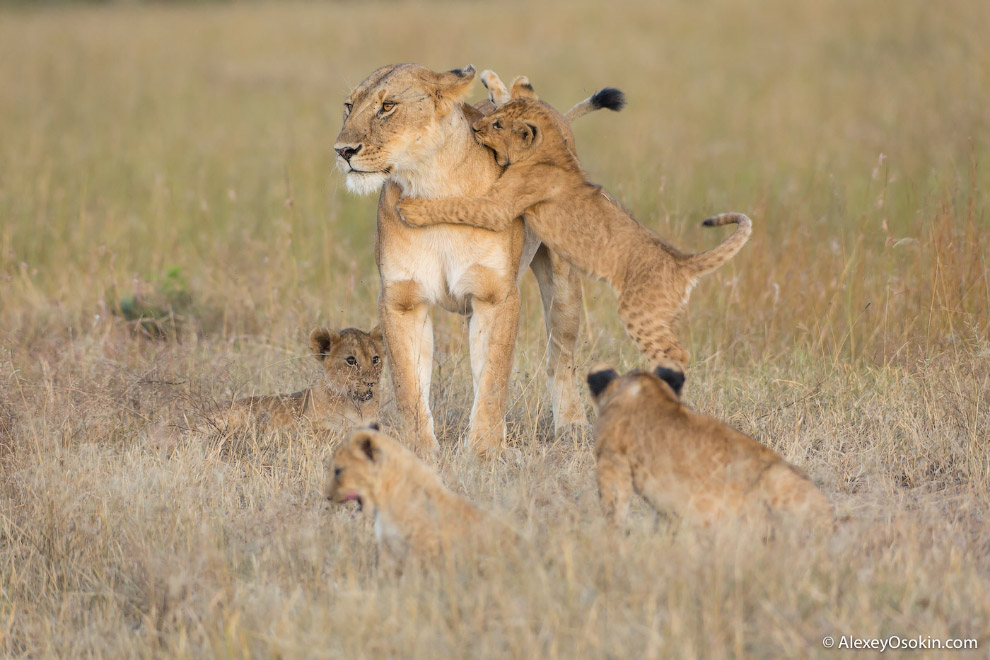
(350, 496)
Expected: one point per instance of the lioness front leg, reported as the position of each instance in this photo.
(408, 333)
(492, 331)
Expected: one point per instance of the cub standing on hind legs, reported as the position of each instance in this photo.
(345, 396)
(688, 464)
(578, 221)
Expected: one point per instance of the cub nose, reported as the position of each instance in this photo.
(347, 152)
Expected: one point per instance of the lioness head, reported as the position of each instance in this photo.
(515, 130)
(608, 386)
(354, 471)
(352, 361)
(393, 120)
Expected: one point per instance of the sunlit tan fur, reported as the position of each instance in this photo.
(345, 396)
(414, 512)
(580, 222)
(406, 132)
(690, 465)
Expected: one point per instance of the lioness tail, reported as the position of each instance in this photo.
(609, 97)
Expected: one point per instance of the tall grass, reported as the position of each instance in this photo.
(170, 230)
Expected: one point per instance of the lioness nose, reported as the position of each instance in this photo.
(347, 152)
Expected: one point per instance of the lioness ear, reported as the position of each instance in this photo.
(672, 376)
(452, 86)
(321, 341)
(522, 89)
(599, 378)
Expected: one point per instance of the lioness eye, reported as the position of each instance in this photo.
(351, 360)
(347, 107)
(375, 360)
(387, 106)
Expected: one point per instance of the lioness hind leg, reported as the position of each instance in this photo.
(560, 291)
(615, 486)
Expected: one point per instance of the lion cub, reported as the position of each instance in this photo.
(345, 395)
(414, 512)
(578, 221)
(689, 464)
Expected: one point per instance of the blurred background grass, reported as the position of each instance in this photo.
(143, 138)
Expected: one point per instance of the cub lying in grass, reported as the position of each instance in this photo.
(414, 512)
(578, 221)
(345, 396)
(689, 464)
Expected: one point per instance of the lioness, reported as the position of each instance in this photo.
(345, 395)
(579, 222)
(406, 132)
(414, 512)
(688, 464)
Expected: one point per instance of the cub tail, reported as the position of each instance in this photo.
(706, 262)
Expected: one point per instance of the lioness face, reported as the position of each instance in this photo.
(391, 122)
(352, 361)
(511, 133)
(354, 470)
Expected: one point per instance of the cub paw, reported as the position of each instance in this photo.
(411, 212)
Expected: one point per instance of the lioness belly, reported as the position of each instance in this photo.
(450, 264)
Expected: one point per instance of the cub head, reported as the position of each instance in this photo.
(352, 361)
(393, 120)
(514, 131)
(606, 385)
(355, 469)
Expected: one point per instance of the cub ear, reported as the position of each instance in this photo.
(529, 134)
(599, 378)
(452, 86)
(522, 89)
(376, 332)
(473, 114)
(370, 448)
(673, 376)
(321, 340)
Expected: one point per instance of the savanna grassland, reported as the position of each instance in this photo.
(171, 229)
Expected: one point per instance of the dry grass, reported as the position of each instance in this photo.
(851, 334)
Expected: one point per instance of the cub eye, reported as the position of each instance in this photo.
(497, 125)
(351, 360)
(347, 107)
(337, 471)
(375, 360)
(387, 106)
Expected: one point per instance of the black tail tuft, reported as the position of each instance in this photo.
(709, 222)
(610, 98)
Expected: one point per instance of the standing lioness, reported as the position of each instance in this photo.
(406, 132)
